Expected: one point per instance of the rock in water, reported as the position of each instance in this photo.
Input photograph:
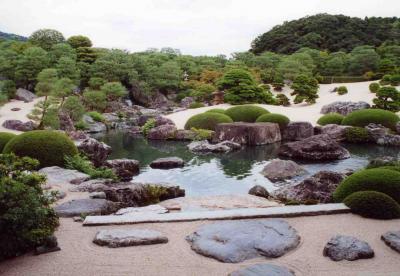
(263, 270)
(295, 131)
(335, 132)
(237, 241)
(24, 95)
(205, 147)
(347, 248)
(86, 206)
(167, 163)
(96, 151)
(279, 170)
(317, 147)
(344, 108)
(392, 239)
(128, 237)
(162, 132)
(259, 191)
(125, 169)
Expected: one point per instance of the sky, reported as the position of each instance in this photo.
(196, 27)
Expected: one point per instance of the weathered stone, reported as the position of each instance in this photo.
(344, 108)
(24, 95)
(128, 237)
(376, 131)
(162, 132)
(318, 147)
(19, 125)
(398, 128)
(56, 175)
(392, 239)
(94, 185)
(237, 241)
(319, 187)
(184, 134)
(150, 209)
(279, 170)
(263, 270)
(87, 207)
(186, 102)
(259, 191)
(92, 125)
(49, 245)
(347, 248)
(125, 169)
(336, 132)
(383, 161)
(15, 109)
(205, 147)
(295, 131)
(78, 135)
(96, 151)
(248, 133)
(66, 122)
(100, 195)
(167, 163)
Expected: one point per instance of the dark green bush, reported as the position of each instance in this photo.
(379, 180)
(373, 204)
(341, 90)
(330, 118)
(374, 87)
(217, 110)
(395, 80)
(207, 120)
(281, 120)
(362, 118)
(48, 147)
(196, 105)
(356, 135)
(245, 113)
(5, 137)
(282, 99)
(387, 98)
(385, 80)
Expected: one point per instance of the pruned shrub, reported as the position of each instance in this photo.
(356, 135)
(364, 117)
(374, 87)
(373, 204)
(330, 118)
(245, 113)
(282, 99)
(395, 80)
(341, 90)
(217, 110)
(96, 116)
(5, 137)
(207, 120)
(196, 105)
(279, 119)
(48, 147)
(386, 79)
(387, 98)
(379, 180)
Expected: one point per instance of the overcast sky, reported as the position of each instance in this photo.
(198, 27)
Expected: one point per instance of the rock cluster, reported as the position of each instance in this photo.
(205, 147)
(19, 125)
(96, 151)
(344, 108)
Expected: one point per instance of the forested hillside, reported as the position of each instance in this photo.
(5, 36)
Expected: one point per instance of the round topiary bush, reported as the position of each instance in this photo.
(217, 110)
(330, 118)
(362, 118)
(373, 204)
(341, 90)
(5, 137)
(207, 120)
(196, 105)
(374, 87)
(281, 120)
(49, 147)
(379, 180)
(245, 113)
(356, 135)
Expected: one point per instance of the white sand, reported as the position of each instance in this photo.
(358, 91)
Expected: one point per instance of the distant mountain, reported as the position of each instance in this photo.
(12, 36)
(328, 32)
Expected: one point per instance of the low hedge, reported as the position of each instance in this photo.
(5, 137)
(379, 180)
(330, 118)
(356, 135)
(216, 110)
(373, 204)
(281, 120)
(48, 147)
(362, 118)
(207, 120)
(245, 113)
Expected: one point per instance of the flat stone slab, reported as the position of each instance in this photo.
(237, 241)
(87, 207)
(57, 175)
(128, 237)
(347, 248)
(248, 213)
(392, 239)
(263, 270)
(153, 209)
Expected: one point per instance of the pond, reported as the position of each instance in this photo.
(221, 174)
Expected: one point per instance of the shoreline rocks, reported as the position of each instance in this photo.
(96, 151)
(125, 169)
(205, 147)
(344, 108)
(259, 191)
(296, 131)
(280, 170)
(167, 163)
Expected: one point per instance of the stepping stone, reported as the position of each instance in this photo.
(57, 176)
(87, 207)
(152, 209)
(167, 163)
(128, 237)
(347, 248)
(263, 270)
(237, 241)
(392, 239)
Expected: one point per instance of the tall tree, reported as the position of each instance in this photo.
(46, 38)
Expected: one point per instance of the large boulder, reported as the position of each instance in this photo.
(295, 131)
(162, 132)
(96, 151)
(92, 125)
(167, 163)
(347, 248)
(237, 241)
(24, 95)
(186, 102)
(93, 185)
(205, 147)
(279, 170)
(263, 270)
(128, 237)
(66, 122)
(392, 239)
(318, 187)
(248, 133)
(57, 175)
(125, 169)
(19, 125)
(318, 148)
(344, 108)
(336, 132)
(259, 191)
(185, 135)
(86, 207)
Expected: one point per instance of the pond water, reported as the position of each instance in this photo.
(220, 174)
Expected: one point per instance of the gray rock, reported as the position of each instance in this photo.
(318, 147)
(15, 109)
(96, 151)
(19, 125)
(263, 270)
(49, 245)
(128, 237)
(186, 102)
(347, 248)
(392, 239)
(205, 147)
(78, 135)
(344, 108)
(398, 128)
(162, 132)
(167, 163)
(125, 169)
(259, 191)
(248, 133)
(376, 132)
(94, 185)
(279, 170)
(92, 125)
(150, 209)
(184, 135)
(24, 95)
(57, 175)
(383, 161)
(296, 131)
(237, 241)
(335, 132)
(86, 206)
(100, 195)
(66, 122)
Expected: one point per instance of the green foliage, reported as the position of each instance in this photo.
(63, 88)
(282, 99)
(341, 90)
(330, 118)
(67, 68)
(48, 147)
(217, 110)
(95, 100)
(7, 88)
(305, 88)
(245, 113)
(387, 98)
(357, 135)
(202, 91)
(74, 108)
(5, 137)
(395, 80)
(379, 180)
(46, 38)
(96, 83)
(26, 216)
(81, 125)
(202, 134)
(113, 90)
(78, 41)
(150, 123)
(207, 120)
(386, 79)
(98, 117)
(280, 119)
(29, 64)
(196, 105)
(83, 164)
(364, 117)
(374, 87)
(373, 204)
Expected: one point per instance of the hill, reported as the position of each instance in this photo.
(12, 37)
